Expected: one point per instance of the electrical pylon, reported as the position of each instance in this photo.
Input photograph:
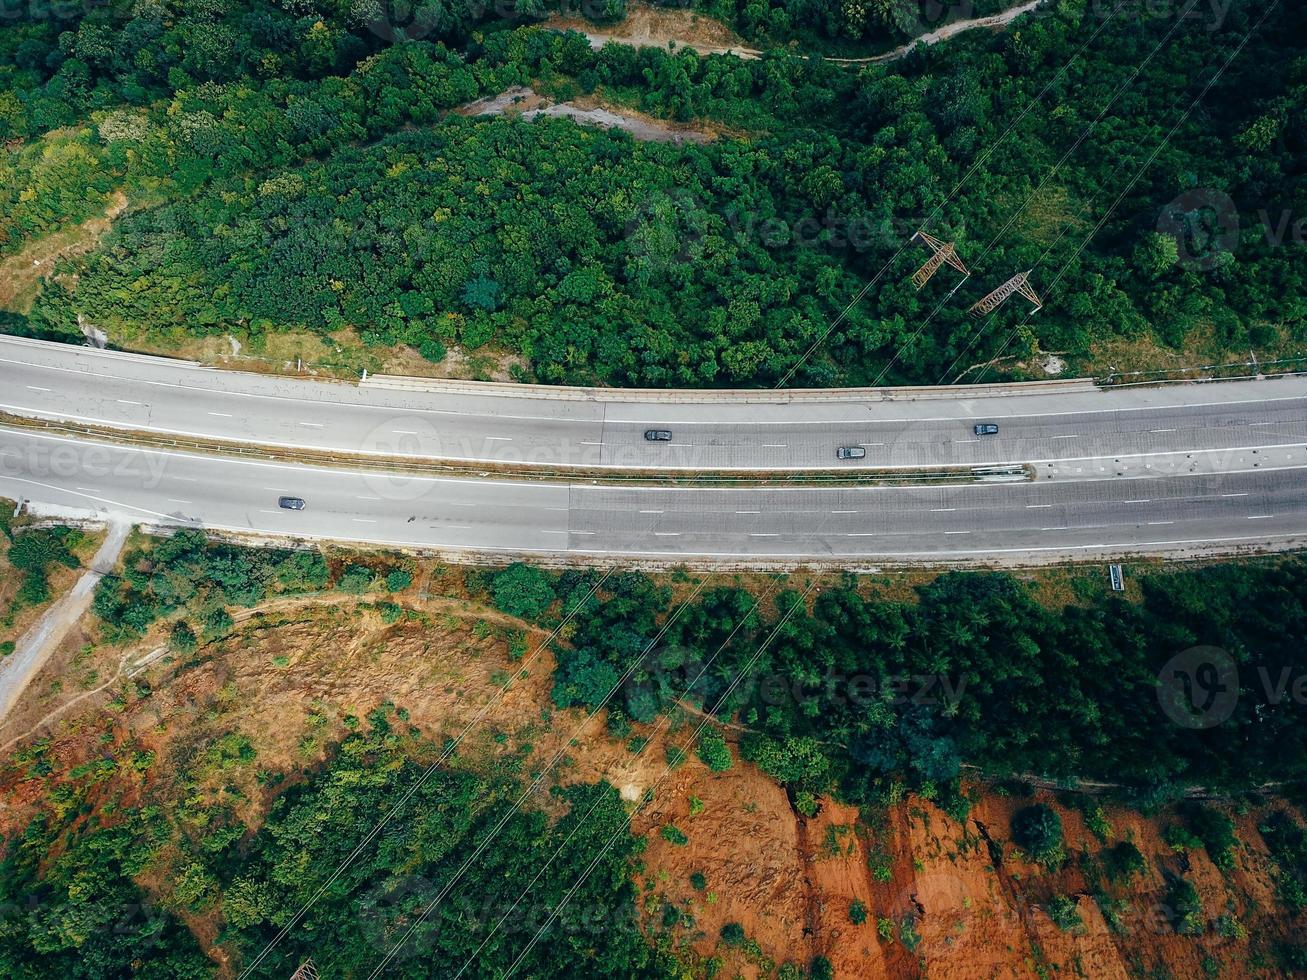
(942, 252)
(1020, 283)
(307, 971)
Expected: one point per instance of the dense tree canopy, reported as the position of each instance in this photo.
(300, 171)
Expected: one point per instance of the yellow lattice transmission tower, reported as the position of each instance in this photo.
(941, 253)
(1020, 283)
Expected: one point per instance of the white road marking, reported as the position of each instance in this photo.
(1159, 523)
(942, 510)
(1234, 495)
(844, 512)
(362, 520)
(312, 425)
(35, 388)
(174, 500)
(1142, 501)
(774, 445)
(404, 432)
(642, 512)
(87, 489)
(957, 532)
(765, 534)
(1066, 437)
(220, 415)
(1163, 430)
(499, 439)
(667, 534)
(1261, 517)
(124, 401)
(1037, 506)
(748, 512)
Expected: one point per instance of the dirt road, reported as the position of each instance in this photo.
(642, 30)
(35, 646)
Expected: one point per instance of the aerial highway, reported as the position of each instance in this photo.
(1221, 511)
(1061, 422)
(1211, 468)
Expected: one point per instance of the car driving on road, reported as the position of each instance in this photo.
(986, 429)
(658, 435)
(290, 503)
(850, 452)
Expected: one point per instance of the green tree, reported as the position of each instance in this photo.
(523, 591)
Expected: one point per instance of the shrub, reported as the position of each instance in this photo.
(1064, 912)
(857, 912)
(1124, 861)
(732, 934)
(1185, 906)
(356, 579)
(182, 639)
(218, 624)
(397, 579)
(523, 591)
(821, 969)
(1214, 829)
(714, 752)
(674, 835)
(698, 881)
(1038, 831)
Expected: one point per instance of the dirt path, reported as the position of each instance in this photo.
(36, 645)
(20, 273)
(644, 28)
(527, 104)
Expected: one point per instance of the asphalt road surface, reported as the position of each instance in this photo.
(1072, 426)
(1216, 510)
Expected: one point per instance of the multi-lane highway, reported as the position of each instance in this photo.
(1059, 518)
(1069, 423)
(1192, 468)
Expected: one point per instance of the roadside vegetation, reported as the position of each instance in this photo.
(297, 172)
(188, 817)
(28, 559)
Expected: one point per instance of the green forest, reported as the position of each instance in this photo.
(864, 696)
(83, 915)
(288, 167)
(843, 691)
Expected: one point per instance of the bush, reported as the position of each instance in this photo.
(218, 624)
(397, 579)
(1064, 912)
(714, 752)
(1184, 906)
(182, 639)
(356, 580)
(732, 934)
(1124, 861)
(523, 591)
(698, 881)
(1214, 829)
(857, 912)
(674, 835)
(1038, 831)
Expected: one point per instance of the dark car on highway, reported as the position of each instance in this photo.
(290, 503)
(658, 435)
(850, 452)
(986, 429)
